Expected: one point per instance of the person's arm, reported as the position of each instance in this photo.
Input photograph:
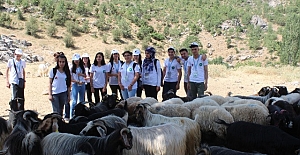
(164, 71)
(24, 77)
(50, 85)
(7, 78)
(206, 76)
(179, 78)
(92, 80)
(158, 76)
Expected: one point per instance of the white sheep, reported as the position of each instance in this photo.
(191, 127)
(245, 101)
(208, 115)
(166, 139)
(198, 102)
(170, 110)
(291, 98)
(219, 99)
(148, 100)
(43, 70)
(252, 113)
(173, 101)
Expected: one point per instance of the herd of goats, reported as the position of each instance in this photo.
(268, 123)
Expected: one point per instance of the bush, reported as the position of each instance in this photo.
(51, 30)
(116, 34)
(68, 40)
(81, 8)
(85, 27)
(20, 15)
(32, 27)
(72, 28)
(248, 63)
(107, 54)
(157, 36)
(104, 39)
(5, 20)
(60, 14)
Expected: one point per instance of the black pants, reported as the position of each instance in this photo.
(139, 89)
(150, 91)
(168, 86)
(88, 92)
(97, 96)
(17, 102)
(115, 88)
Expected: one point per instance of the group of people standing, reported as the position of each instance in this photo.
(128, 78)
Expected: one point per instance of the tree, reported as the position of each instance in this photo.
(69, 42)
(32, 26)
(81, 8)
(20, 15)
(51, 30)
(290, 46)
(60, 14)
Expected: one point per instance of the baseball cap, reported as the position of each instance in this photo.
(76, 56)
(136, 52)
(171, 48)
(85, 55)
(18, 51)
(114, 51)
(194, 44)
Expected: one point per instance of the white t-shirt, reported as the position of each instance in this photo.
(59, 84)
(87, 75)
(152, 78)
(20, 65)
(185, 68)
(113, 80)
(171, 70)
(127, 74)
(99, 75)
(197, 69)
(76, 77)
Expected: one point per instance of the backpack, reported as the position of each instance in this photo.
(161, 73)
(112, 64)
(133, 66)
(68, 80)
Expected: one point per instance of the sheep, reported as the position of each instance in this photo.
(149, 100)
(219, 99)
(64, 143)
(191, 127)
(131, 104)
(291, 98)
(198, 102)
(166, 139)
(170, 110)
(207, 117)
(5, 130)
(171, 94)
(218, 150)
(43, 70)
(23, 139)
(172, 101)
(250, 137)
(245, 101)
(248, 112)
(263, 99)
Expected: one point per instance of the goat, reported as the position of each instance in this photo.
(23, 139)
(262, 99)
(43, 70)
(170, 94)
(250, 137)
(218, 150)
(191, 127)
(5, 130)
(63, 143)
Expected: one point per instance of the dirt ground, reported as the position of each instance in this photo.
(244, 81)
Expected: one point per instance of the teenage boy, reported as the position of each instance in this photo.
(197, 73)
(15, 79)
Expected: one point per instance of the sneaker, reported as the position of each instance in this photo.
(67, 119)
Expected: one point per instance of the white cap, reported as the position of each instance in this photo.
(76, 56)
(18, 51)
(114, 51)
(194, 44)
(85, 55)
(171, 48)
(136, 52)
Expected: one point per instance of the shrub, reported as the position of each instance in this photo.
(104, 39)
(5, 20)
(157, 36)
(72, 27)
(51, 30)
(81, 8)
(32, 26)
(107, 54)
(248, 63)
(68, 40)
(116, 34)
(85, 27)
(60, 14)
(20, 15)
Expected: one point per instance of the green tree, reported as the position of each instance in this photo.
(85, 27)
(5, 20)
(270, 39)
(60, 13)
(32, 26)
(125, 27)
(20, 15)
(51, 30)
(48, 8)
(69, 41)
(116, 34)
(81, 8)
(72, 27)
(290, 47)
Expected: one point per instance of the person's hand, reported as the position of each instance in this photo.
(7, 85)
(121, 87)
(50, 97)
(92, 90)
(69, 98)
(178, 60)
(203, 57)
(205, 86)
(129, 87)
(104, 89)
(157, 88)
(188, 86)
(177, 86)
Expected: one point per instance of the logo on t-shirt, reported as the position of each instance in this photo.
(173, 67)
(130, 69)
(200, 64)
(103, 71)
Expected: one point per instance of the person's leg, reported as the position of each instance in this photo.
(166, 87)
(55, 104)
(97, 95)
(200, 89)
(114, 89)
(172, 85)
(193, 90)
(88, 92)
(146, 88)
(21, 100)
(139, 89)
(102, 93)
(75, 90)
(63, 100)
(185, 88)
(132, 93)
(151, 91)
(13, 103)
(125, 94)
(82, 93)
(120, 92)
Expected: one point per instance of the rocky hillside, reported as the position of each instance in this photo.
(232, 32)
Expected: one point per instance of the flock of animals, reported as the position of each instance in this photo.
(268, 123)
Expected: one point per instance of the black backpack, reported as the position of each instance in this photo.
(161, 72)
(112, 64)
(133, 66)
(68, 80)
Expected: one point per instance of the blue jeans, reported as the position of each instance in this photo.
(76, 89)
(58, 102)
(126, 94)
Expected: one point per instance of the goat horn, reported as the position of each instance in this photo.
(124, 129)
(25, 115)
(101, 124)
